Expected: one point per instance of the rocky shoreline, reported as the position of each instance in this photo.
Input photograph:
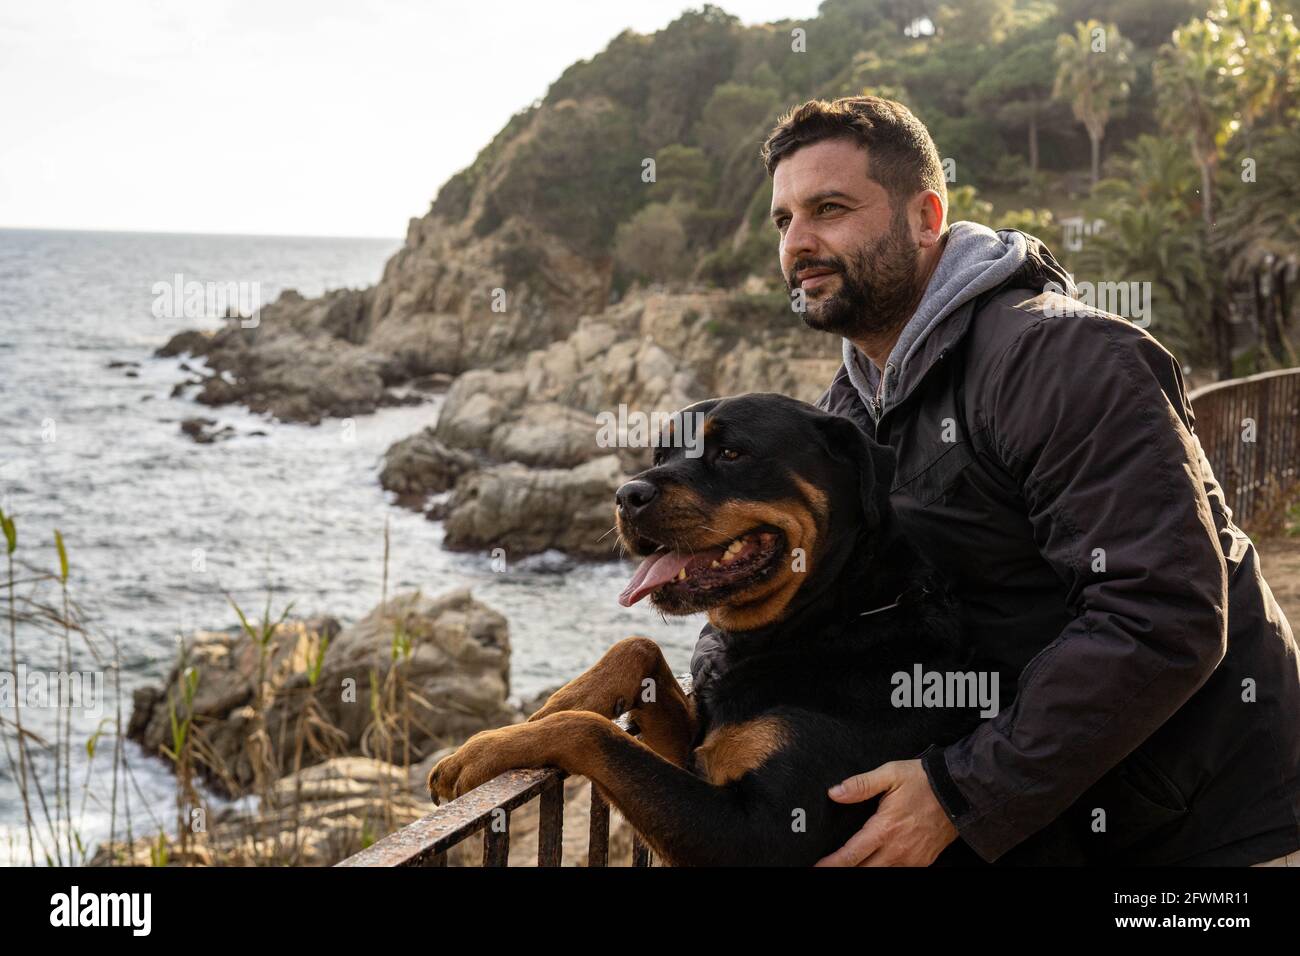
(330, 732)
(518, 459)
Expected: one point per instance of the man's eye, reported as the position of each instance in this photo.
(829, 205)
(728, 454)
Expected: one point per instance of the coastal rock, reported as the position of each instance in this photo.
(456, 676)
(546, 435)
(191, 342)
(297, 379)
(421, 465)
(204, 430)
(451, 680)
(527, 510)
(222, 710)
(476, 404)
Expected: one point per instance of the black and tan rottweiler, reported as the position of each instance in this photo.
(782, 532)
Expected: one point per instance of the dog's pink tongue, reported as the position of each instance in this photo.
(660, 568)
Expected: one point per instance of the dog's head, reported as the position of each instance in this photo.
(750, 501)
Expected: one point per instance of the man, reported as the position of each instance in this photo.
(1048, 467)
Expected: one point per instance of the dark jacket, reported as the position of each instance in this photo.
(1048, 467)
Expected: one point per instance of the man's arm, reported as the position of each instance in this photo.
(1087, 414)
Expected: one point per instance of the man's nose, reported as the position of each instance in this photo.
(800, 241)
(633, 497)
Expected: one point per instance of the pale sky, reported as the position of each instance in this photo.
(328, 118)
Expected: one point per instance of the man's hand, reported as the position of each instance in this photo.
(909, 827)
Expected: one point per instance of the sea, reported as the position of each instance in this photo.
(159, 530)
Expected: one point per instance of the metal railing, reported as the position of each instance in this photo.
(1249, 429)
(487, 810)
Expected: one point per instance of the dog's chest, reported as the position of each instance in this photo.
(727, 752)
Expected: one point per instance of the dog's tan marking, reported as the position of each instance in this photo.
(765, 601)
(633, 677)
(730, 752)
(802, 520)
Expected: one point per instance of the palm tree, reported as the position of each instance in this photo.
(1264, 59)
(1094, 71)
(1151, 235)
(1196, 94)
(1259, 234)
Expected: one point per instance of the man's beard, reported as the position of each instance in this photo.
(878, 292)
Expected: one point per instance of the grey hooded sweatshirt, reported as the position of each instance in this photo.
(975, 259)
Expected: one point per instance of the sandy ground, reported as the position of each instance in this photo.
(1280, 559)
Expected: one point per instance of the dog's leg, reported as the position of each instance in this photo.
(687, 820)
(633, 676)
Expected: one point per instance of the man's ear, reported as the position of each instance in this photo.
(874, 462)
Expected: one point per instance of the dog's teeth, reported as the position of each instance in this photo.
(681, 575)
(714, 564)
(735, 546)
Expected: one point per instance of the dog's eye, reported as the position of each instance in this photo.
(728, 454)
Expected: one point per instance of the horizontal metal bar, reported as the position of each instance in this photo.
(1196, 393)
(449, 824)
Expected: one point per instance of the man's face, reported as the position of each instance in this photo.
(853, 255)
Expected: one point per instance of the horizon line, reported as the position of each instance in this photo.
(176, 232)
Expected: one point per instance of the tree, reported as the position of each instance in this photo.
(982, 21)
(1195, 97)
(736, 111)
(1152, 234)
(964, 205)
(652, 244)
(684, 172)
(1019, 93)
(1264, 59)
(1095, 73)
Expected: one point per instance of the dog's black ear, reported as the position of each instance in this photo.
(874, 462)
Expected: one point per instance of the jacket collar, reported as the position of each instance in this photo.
(1039, 269)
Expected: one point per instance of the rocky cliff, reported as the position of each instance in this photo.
(606, 249)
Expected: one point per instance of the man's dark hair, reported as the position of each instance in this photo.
(900, 153)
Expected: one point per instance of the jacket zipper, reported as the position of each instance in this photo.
(876, 403)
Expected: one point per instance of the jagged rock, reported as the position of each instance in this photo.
(204, 430)
(476, 404)
(454, 683)
(228, 667)
(192, 342)
(296, 378)
(420, 465)
(527, 510)
(459, 666)
(547, 435)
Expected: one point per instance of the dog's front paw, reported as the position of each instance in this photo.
(475, 762)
